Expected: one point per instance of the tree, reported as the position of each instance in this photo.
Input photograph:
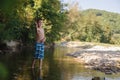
(17, 22)
(50, 11)
(72, 23)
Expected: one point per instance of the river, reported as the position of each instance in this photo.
(56, 66)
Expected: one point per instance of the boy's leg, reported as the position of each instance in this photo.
(40, 74)
(33, 64)
(40, 63)
(41, 55)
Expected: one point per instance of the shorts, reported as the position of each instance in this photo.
(39, 51)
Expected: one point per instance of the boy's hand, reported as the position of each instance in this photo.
(43, 40)
(36, 24)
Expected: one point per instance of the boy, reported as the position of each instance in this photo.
(40, 39)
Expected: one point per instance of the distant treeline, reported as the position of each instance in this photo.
(111, 22)
(93, 26)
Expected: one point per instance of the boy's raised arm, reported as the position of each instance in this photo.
(36, 25)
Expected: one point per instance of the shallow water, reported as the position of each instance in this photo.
(56, 66)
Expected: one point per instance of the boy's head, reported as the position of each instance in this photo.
(38, 19)
(39, 22)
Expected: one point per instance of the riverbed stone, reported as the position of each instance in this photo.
(98, 57)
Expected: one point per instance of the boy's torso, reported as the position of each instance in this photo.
(40, 34)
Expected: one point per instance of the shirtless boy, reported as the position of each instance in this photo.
(39, 46)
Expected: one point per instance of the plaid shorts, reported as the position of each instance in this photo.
(39, 51)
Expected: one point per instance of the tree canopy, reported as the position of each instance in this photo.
(17, 18)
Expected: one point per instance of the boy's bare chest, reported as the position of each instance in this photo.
(40, 31)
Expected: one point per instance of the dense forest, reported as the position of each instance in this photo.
(17, 18)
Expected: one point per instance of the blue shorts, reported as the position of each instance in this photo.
(39, 51)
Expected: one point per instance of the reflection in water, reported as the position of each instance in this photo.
(98, 78)
(56, 66)
(36, 75)
(33, 74)
(40, 74)
(3, 72)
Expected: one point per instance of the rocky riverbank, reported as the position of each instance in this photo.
(105, 58)
(105, 61)
(9, 46)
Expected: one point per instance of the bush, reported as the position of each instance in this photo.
(115, 39)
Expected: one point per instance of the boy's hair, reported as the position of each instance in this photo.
(38, 19)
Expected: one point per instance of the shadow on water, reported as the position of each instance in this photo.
(98, 78)
(14, 63)
(18, 66)
(50, 69)
(56, 66)
(53, 70)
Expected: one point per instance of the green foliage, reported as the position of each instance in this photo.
(91, 25)
(3, 72)
(14, 20)
(109, 23)
(50, 11)
(71, 24)
(107, 17)
(92, 32)
(17, 18)
(115, 39)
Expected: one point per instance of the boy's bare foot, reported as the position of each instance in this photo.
(33, 66)
(40, 68)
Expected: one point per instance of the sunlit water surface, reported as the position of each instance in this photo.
(56, 66)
